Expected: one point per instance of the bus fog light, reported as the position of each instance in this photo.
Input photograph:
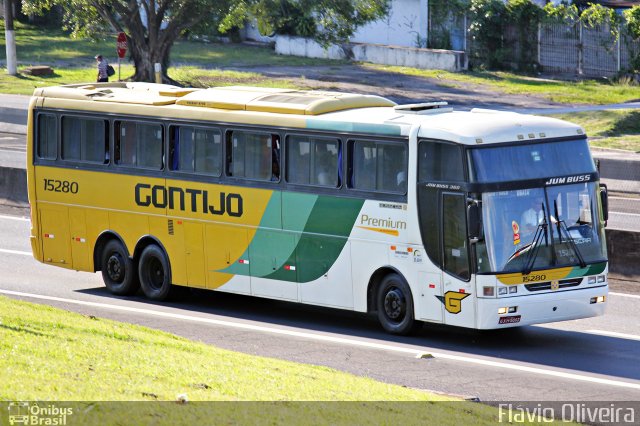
(598, 299)
(502, 290)
(513, 290)
(488, 291)
(592, 280)
(601, 278)
(504, 310)
(513, 309)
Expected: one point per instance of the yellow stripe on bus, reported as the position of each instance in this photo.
(393, 232)
(537, 276)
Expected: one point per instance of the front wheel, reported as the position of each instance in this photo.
(118, 270)
(395, 306)
(155, 273)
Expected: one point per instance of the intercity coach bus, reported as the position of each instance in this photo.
(419, 213)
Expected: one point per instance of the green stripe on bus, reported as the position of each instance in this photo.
(340, 126)
(325, 235)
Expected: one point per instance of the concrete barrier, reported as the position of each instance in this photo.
(449, 60)
(623, 248)
(13, 186)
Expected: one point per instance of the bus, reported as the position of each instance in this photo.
(414, 213)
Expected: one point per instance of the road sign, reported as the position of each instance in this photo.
(121, 45)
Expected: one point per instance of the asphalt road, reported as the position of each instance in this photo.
(596, 359)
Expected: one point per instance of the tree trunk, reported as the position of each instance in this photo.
(145, 58)
(12, 59)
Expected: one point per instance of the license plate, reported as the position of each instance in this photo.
(509, 320)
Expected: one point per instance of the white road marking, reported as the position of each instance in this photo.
(614, 334)
(633, 296)
(342, 340)
(623, 214)
(23, 219)
(23, 253)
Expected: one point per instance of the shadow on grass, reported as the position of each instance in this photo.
(628, 124)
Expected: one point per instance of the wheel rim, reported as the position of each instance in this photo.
(115, 267)
(394, 304)
(155, 274)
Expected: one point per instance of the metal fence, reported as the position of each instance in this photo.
(563, 49)
(590, 52)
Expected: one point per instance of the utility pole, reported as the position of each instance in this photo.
(10, 38)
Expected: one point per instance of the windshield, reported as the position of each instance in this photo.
(530, 161)
(531, 229)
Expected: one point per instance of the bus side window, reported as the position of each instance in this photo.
(313, 161)
(379, 166)
(84, 139)
(195, 150)
(439, 162)
(253, 155)
(47, 144)
(139, 144)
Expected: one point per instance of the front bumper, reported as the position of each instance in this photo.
(541, 308)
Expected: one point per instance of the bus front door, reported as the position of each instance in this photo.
(457, 283)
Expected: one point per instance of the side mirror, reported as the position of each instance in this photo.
(604, 198)
(473, 221)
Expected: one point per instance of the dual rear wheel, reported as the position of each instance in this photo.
(122, 276)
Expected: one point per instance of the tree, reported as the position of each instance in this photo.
(153, 26)
(12, 61)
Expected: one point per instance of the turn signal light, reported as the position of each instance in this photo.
(488, 291)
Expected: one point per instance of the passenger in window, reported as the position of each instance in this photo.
(275, 159)
(324, 166)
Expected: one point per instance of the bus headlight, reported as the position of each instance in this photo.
(502, 291)
(598, 299)
(601, 278)
(592, 280)
(513, 289)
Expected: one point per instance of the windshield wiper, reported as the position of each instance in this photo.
(541, 231)
(562, 226)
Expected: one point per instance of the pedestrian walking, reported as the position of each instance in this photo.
(103, 77)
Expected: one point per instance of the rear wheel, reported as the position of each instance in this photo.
(395, 305)
(118, 270)
(155, 273)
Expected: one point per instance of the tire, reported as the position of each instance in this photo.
(155, 273)
(118, 270)
(395, 306)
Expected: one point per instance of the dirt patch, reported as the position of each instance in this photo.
(399, 87)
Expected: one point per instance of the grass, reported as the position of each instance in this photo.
(581, 92)
(49, 354)
(619, 129)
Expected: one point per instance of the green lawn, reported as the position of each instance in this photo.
(619, 129)
(48, 354)
(582, 92)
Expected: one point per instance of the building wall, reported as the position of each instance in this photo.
(406, 25)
